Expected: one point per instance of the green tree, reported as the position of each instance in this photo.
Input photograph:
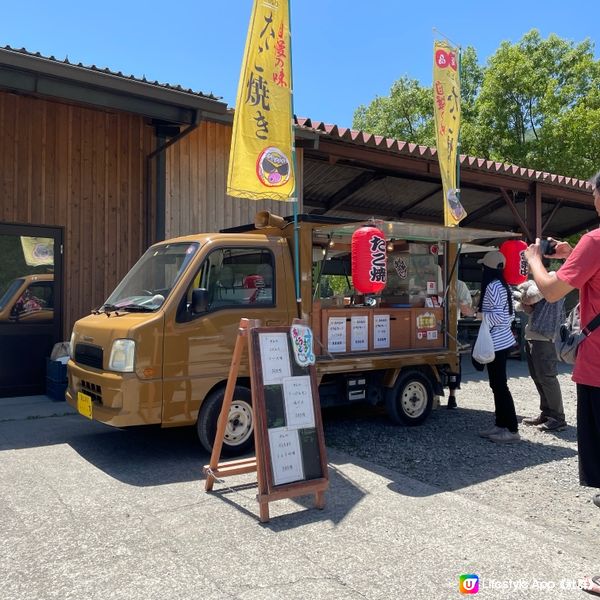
(406, 114)
(536, 104)
(533, 105)
(471, 78)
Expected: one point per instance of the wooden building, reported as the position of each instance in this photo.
(76, 152)
(79, 165)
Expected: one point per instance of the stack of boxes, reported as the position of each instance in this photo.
(56, 379)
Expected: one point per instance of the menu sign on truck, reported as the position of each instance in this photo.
(381, 331)
(359, 338)
(336, 334)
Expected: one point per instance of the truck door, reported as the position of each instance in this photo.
(241, 281)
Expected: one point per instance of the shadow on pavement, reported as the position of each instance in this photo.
(445, 452)
(341, 498)
(144, 456)
(141, 456)
(150, 456)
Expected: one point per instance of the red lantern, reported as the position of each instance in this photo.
(516, 268)
(369, 263)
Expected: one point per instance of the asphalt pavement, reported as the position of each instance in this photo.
(91, 512)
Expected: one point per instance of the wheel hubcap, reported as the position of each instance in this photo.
(240, 425)
(414, 399)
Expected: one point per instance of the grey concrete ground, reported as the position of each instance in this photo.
(89, 512)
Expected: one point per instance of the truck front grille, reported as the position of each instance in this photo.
(92, 389)
(87, 354)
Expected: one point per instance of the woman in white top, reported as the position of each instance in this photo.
(497, 308)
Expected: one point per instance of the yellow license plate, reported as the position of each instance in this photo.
(84, 404)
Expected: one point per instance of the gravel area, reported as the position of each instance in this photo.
(535, 479)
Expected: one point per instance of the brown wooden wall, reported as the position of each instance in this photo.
(83, 169)
(196, 182)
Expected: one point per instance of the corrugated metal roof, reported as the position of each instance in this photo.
(473, 163)
(108, 72)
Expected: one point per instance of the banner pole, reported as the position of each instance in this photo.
(295, 162)
(297, 256)
(458, 144)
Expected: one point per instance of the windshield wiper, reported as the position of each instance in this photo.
(108, 307)
(134, 308)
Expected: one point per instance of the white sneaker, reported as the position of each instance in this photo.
(505, 437)
(492, 431)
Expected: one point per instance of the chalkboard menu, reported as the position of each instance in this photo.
(288, 426)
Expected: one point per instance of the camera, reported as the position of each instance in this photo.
(548, 247)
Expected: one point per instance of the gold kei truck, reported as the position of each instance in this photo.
(158, 351)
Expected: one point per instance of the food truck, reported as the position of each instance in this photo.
(158, 351)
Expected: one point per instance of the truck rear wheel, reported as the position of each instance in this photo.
(239, 431)
(410, 401)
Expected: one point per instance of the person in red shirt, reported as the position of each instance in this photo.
(581, 270)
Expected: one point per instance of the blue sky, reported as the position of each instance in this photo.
(345, 52)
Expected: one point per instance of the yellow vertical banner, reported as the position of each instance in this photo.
(261, 159)
(446, 92)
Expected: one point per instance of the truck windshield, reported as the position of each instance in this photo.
(150, 281)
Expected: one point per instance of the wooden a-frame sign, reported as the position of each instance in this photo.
(290, 456)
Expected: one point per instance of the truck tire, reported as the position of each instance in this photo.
(239, 432)
(410, 401)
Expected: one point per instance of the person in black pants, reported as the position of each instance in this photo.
(506, 416)
(581, 271)
(497, 309)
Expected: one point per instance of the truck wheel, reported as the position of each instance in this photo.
(239, 431)
(410, 401)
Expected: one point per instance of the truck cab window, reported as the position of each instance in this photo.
(234, 277)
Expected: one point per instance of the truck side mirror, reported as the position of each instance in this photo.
(199, 300)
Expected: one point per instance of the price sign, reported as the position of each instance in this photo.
(287, 411)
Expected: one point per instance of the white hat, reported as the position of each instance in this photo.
(493, 260)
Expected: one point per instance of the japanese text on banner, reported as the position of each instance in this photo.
(261, 160)
(446, 108)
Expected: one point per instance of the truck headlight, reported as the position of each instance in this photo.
(122, 356)
(72, 346)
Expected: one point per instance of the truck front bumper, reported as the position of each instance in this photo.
(120, 400)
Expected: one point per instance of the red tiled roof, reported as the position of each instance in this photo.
(471, 162)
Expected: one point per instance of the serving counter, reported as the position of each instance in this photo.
(363, 329)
